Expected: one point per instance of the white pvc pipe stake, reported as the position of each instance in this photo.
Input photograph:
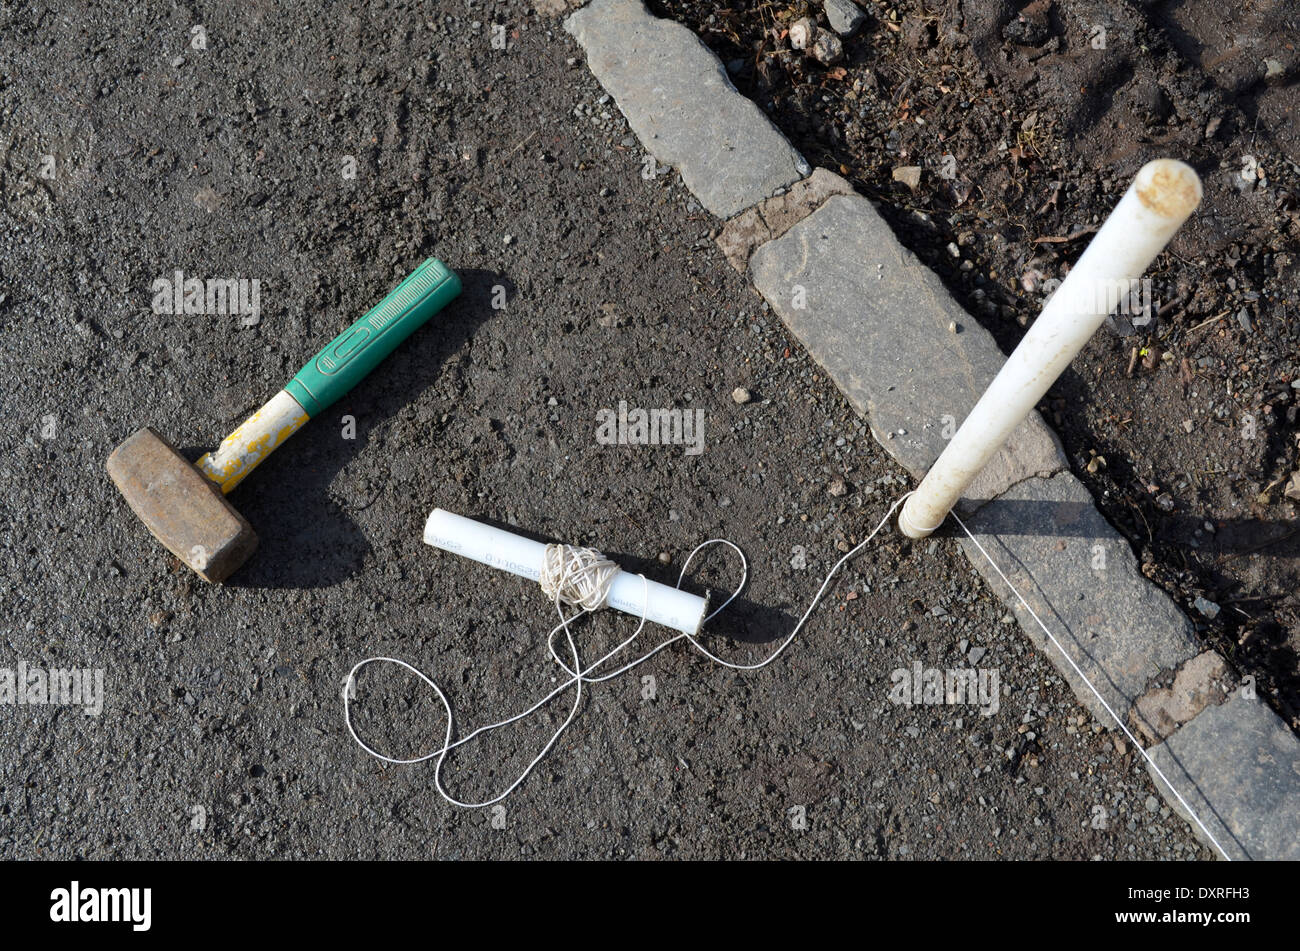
(630, 593)
(1162, 196)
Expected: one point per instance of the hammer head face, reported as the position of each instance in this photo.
(176, 502)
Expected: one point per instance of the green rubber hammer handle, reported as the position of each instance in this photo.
(347, 358)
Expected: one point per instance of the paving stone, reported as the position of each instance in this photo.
(775, 216)
(1202, 680)
(880, 334)
(877, 320)
(679, 101)
(1238, 766)
(1081, 578)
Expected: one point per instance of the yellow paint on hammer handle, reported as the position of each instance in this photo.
(255, 439)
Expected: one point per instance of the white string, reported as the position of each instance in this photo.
(1096, 693)
(576, 573)
(582, 576)
(579, 577)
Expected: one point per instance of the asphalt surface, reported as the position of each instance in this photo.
(221, 733)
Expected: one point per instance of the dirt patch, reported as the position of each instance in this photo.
(1026, 123)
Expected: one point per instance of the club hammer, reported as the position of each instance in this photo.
(184, 504)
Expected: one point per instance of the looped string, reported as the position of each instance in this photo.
(575, 578)
(579, 577)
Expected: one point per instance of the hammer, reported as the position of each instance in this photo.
(184, 504)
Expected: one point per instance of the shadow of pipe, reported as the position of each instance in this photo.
(1074, 520)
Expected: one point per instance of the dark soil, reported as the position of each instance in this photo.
(1029, 121)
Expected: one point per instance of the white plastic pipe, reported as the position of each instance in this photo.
(1162, 196)
(630, 593)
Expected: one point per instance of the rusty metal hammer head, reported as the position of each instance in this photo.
(181, 506)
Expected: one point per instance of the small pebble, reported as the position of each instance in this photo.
(828, 48)
(801, 33)
(1206, 607)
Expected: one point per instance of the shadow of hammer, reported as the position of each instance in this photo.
(184, 504)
